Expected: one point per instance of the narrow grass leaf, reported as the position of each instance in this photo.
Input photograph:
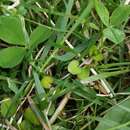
(40, 90)
(83, 47)
(83, 15)
(103, 76)
(16, 100)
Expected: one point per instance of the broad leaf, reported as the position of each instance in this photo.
(114, 35)
(12, 30)
(120, 14)
(12, 56)
(39, 35)
(102, 12)
(116, 116)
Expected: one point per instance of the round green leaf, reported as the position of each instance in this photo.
(12, 56)
(12, 30)
(74, 68)
(84, 73)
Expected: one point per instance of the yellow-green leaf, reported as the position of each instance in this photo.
(74, 68)
(47, 81)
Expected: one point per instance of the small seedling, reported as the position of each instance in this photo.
(47, 81)
(95, 54)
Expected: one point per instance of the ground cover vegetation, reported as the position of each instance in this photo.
(64, 65)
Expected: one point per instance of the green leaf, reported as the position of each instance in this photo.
(84, 73)
(85, 92)
(51, 110)
(47, 81)
(71, 54)
(25, 125)
(16, 100)
(12, 85)
(103, 76)
(102, 12)
(39, 35)
(30, 116)
(12, 30)
(40, 90)
(120, 14)
(74, 68)
(93, 26)
(118, 115)
(93, 51)
(12, 56)
(84, 46)
(5, 106)
(98, 57)
(114, 35)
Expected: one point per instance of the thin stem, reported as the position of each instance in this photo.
(60, 108)
(14, 5)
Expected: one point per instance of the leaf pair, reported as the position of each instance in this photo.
(118, 16)
(12, 31)
(75, 69)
